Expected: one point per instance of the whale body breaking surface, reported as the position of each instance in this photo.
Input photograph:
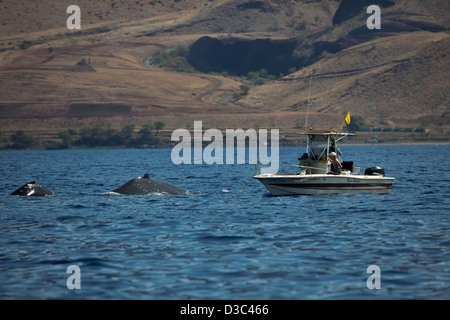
(33, 189)
(146, 186)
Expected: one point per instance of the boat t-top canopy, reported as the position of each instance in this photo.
(325, 136)
(326, 133)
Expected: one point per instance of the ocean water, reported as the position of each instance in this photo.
(231, 240)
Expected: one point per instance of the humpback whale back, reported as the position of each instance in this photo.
(33, 189)
(146, 186)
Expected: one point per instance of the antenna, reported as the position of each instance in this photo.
(309, 100)
(307, 111)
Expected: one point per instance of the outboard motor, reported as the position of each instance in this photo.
(374, 171)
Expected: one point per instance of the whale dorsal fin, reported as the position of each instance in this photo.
(146, 176)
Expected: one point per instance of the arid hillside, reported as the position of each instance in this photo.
(54, 79)
(402, 80)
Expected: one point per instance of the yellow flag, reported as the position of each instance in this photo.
(347, 118)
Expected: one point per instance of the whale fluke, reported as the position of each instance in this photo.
(146, 186)
(33, 189)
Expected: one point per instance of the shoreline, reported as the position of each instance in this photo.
(390, 144)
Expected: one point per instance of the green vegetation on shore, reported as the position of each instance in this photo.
(175, 59)
(108, 137)
(92, 137)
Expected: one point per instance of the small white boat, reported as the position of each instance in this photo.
(318, 175)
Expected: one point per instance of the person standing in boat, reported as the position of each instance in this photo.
(337, 150)
(336, 165)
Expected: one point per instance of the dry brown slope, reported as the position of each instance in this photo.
(404, 79)
(37, 89)
(367, 80)
(38, 85)
(19, 18)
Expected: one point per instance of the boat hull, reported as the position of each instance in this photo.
(280, 185)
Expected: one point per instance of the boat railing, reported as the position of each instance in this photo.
(291, 166)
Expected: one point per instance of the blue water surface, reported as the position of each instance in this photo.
(231, 240)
